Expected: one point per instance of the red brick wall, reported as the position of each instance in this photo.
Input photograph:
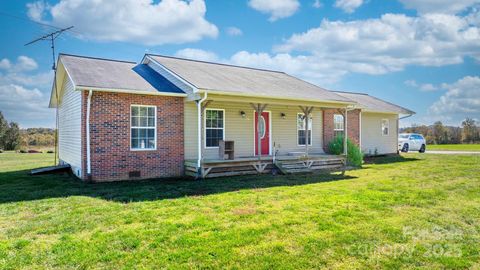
(111, 157)
(353, 125)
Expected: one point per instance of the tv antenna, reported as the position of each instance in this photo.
(51, 37)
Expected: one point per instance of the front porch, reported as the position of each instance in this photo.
(265, 164)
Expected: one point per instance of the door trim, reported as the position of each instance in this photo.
(270, 131)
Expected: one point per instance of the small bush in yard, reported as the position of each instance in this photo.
(354, 155)
(50, 152)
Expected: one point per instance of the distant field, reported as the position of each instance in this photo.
(454, 147)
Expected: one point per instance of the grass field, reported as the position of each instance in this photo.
(414, 211)
(454, 147)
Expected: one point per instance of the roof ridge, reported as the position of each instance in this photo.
(331, 91)
(97, 58)
(215, 63)
(350, 92)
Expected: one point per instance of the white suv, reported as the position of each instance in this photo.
(411, 142)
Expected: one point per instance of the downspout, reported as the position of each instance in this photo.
(87, 127)
(199, 131)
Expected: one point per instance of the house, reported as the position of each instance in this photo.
(169, 117)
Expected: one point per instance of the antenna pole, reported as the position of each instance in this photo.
(52, 40)
(51, 37)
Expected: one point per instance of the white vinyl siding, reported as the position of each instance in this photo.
(70, 127)
(241, 129)
(373, 140)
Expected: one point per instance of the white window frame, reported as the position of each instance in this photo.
(205, 127)
(387, 121)
(343, 124)
(132, 127)
(310, 128)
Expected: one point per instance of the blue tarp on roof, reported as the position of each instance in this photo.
(156, 80)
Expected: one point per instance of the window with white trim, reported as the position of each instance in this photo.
(338, 125)
(143, 127)
(385, 127)
(301, 129)
(214, 127)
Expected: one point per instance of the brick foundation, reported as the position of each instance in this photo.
(353, 126)
(111, 157)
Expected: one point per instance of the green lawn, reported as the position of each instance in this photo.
(454, 147)
(416, 211)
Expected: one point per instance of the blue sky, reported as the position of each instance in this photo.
(421, 54)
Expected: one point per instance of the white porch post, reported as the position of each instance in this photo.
(306, 114)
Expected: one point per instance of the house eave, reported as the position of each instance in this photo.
(129, 91)
(237, 94)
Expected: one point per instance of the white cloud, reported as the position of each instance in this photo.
(439, 6)
(41, 79)
(390, 43)
(136, 21)
(28, 107)
(460, 101)
(305, 67)
(21, 99)
(234, 31)
(24, 63)
(277, 9)
(36, 10)
(197, 54)
(317, 4)
(348, 6)
(411, 83)
(426, 87)
(5, 64)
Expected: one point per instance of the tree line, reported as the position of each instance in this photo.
(438, 133)
(14, 138)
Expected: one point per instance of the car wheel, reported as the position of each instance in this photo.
(422, 149)
(405, 148)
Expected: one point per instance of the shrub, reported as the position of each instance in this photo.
(50, 152)
(354, 155)
(23, 151)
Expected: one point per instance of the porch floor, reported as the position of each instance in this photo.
(284, 164)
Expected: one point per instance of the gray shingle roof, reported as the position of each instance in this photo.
(114, 74)
(374, 104)
(245, 81)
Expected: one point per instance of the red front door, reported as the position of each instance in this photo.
(264, 133)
